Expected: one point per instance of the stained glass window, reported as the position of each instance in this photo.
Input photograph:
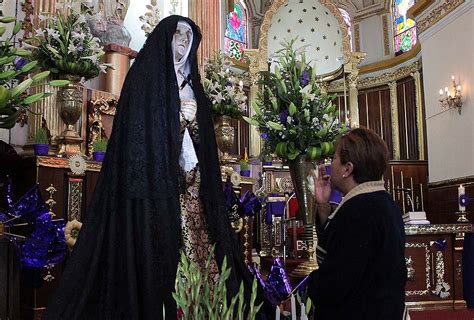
(347, 21)
(404, 28)
(235, 40)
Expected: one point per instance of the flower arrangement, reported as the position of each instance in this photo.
(17, 75)
(66, 46)
(292, 114)
(196, 299)
(226, 94)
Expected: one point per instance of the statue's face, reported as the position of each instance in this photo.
(182, 39)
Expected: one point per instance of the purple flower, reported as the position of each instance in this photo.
(228, 84)
(304, 79)
(264, 135)
(283, 116)
(19, 62)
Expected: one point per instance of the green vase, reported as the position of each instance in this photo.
(300, 168)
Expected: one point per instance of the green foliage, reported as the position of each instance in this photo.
(100, 144)
(198, 300)
(16, 77)
(41, 136)
(66, 46)
(224, 91)
(244, 165)
(292, 113)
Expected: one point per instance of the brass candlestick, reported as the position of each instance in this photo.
(311, 264)
(462, 218)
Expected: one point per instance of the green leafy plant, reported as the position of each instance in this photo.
(66, 46)
(17, 75)
(292, 114)
(197, 300)
(266, 153)
(100, 145)
(41, 136)
(225, 91)
(244, 165)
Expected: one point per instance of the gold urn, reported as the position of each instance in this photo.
(70, 110)
(225, 137)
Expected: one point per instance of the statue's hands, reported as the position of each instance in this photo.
(188, 111)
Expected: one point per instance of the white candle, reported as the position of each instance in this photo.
(293, 308)
(277, 313)
(461, 192)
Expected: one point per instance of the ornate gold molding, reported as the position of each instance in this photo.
(357, 37)
(395, 126)
(386, 40)
(383, 79)
(74, 197)
(101, 105)
(437, 14)
(63, 163)
(419, 114)
(418, 8)
(437, 228)
(390, 76)
(267, 19)
(427, 269)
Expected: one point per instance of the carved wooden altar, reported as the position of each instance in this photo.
(433, 255)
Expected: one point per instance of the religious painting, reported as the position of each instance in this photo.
(235, 40)
(404, 28)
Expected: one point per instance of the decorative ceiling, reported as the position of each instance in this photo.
(315, 27)
(360, 8)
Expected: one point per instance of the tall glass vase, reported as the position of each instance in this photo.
(300, 169)
(70, 101)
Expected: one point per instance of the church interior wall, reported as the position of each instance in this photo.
(450, 135)
(371, 39)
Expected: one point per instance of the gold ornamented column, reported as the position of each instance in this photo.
(352, 68)
(324, 87)
(119, 57)
(206, 14)
(394, 111)
(419, 115)
(255, 142)
(352, 79)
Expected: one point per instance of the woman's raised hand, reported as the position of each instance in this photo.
(322, 185)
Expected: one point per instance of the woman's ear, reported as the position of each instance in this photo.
(348, 169)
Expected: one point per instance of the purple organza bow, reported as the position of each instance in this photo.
(279, 280)
(45, 245)
(247, 205)
(277, 287)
